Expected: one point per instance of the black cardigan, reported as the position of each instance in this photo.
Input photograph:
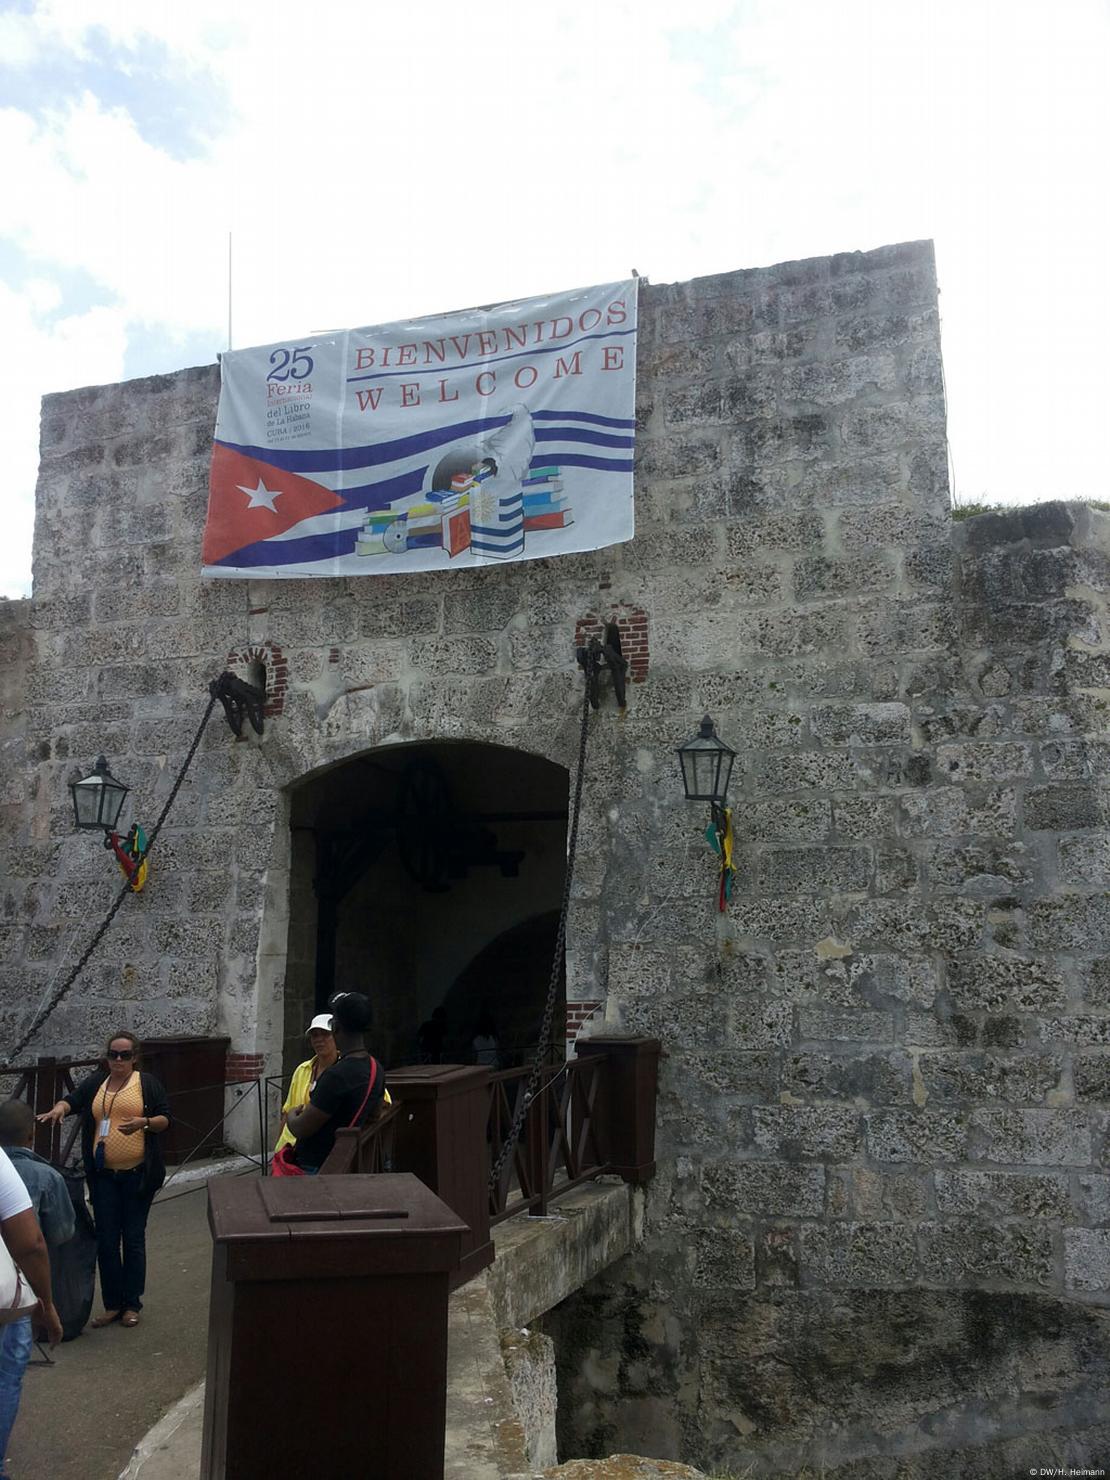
(155, 1102)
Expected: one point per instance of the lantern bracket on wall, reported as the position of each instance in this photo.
(241, 700)
(706, 763)
(97, 802)
(604, 652)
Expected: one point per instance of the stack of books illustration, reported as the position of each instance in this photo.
(496, 514)
(465, 517)
(545, 501)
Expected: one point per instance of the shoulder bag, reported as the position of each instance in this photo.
(17, 1299)
(282, 1163)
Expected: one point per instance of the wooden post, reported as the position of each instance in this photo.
(625, 1106)
(440, 1135)
(44, 1094)
(536, 1137)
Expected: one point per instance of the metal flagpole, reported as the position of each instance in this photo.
(229, 290)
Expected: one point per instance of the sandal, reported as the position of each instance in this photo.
(107, 1319)
(129, 1318)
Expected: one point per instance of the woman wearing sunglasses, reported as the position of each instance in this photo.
(125, 1111)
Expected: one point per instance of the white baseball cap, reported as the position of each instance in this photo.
(321, 1020)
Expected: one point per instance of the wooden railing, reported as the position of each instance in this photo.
(593, 1115)
(365, 1148)
(42, 1084)
(558, 1147)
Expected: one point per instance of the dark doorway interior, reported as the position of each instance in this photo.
(510, 975)
(427, 876)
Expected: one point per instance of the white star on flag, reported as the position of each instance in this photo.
(260, 497)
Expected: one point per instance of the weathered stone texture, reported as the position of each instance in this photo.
(881, 1196)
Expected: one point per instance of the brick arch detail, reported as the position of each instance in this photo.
(239, 660)
(632, 624)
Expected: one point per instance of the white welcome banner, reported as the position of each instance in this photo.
(496, 434)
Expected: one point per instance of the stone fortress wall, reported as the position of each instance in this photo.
(879, 1236)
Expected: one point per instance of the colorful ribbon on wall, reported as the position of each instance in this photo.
(719, 836)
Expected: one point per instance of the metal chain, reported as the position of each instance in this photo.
(56, 996)
(560, 948)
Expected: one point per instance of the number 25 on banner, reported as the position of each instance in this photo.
(291, 364)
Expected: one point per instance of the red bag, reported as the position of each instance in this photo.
(282, 1163)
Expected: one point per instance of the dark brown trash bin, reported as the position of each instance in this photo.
(193, 1071)
(327, 1329)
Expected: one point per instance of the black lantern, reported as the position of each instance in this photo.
(706, 766)
(97, 803)
(98, 799)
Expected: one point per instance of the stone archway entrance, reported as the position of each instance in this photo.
(407, 865)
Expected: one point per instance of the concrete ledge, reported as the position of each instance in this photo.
(540, 1261)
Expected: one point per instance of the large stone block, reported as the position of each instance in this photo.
(783, 821)
(993, 1195)
(866, 1078)
(1078, 922)
(1024, 1079)
(724, 1258)
(1091, 1074)
(810, 771)
(812, 870)
(766, 1188)
(845, 1025)
(831, 382)
(1005, 983)
(1094, 981)
(979, 763)
(750, 1076)
(1085, 860)
(947, 811)
(1063, 808)
(925, 1136)
(948, 924)
(1087, 1258)
(1034, 1138)
(801, 1133)
(860, 724)
(858, 1256)
(985, 868)
(968, 1253)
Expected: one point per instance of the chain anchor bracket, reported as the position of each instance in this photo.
(604, 652)
(241, 700)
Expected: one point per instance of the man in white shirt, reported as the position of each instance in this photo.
(20, 1231)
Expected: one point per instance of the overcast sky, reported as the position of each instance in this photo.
(377, 161)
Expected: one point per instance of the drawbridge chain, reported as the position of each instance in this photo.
(216, 695)
(590, 662)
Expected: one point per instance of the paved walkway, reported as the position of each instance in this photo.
(112, 1390)
(81, 1418)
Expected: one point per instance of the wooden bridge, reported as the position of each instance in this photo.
(589, 1122)
(590, 1117)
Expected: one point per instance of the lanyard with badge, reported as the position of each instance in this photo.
(106, 1119)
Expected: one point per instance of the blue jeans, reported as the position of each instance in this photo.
(120, 1207)
(15, 1351)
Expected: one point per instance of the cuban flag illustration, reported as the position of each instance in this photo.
(502, 434)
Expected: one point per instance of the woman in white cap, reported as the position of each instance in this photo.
(324, 1055)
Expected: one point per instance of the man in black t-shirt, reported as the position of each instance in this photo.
(341, 1090)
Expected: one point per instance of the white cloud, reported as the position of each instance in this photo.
(380, 163)
(80, 349)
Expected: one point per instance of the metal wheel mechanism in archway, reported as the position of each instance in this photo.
(423, 823)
